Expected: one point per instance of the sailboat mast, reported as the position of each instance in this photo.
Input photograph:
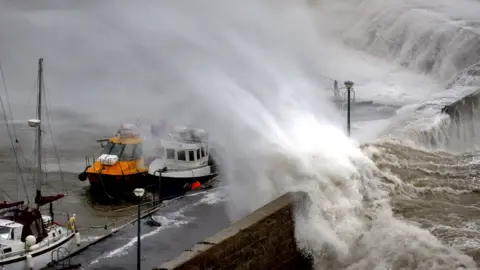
(39, 129)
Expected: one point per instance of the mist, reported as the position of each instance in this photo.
(152, 60)
(243, 71)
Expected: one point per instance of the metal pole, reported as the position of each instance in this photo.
(348, 111)
(39, 175)
(138, 236)
(335, 90)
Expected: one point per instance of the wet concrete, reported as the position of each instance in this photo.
(184, 222)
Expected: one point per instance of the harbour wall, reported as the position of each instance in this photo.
(262, 240)
(464, 108)
(465, 121)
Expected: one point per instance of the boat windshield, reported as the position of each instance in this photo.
(132, 152)
(5, 233)
(124, 151)
(113, 149)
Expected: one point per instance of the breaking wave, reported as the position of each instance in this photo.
(348, 220)
(361, 211)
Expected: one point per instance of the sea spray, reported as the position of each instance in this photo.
(347, 221)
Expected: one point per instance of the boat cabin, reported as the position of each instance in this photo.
(124, 146)
(10, 230)
(25, 222)
(122, 155)
(184, 148)
(187, 153)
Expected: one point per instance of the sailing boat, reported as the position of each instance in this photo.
(28, 238)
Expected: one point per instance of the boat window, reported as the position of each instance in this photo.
(138, 153)
(107, 148)
(127, 153)
(203, 152)
(6, 233)
(198, 153)
(170, 154)
(181, 155)
(191, 155)
(116, 149)
(160, 152)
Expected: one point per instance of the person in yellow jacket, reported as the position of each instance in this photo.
(71, 223)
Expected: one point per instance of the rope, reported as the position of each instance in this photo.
(326, 77)
(103, 185)
(6, 195)
(8, 129)
(51, 135)
(8, 101)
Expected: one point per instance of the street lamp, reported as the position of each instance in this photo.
(139, 194)
(348, 85)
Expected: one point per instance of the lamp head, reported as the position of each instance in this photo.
(348, 84)
(139, 192)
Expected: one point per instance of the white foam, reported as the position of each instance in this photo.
(214, 197)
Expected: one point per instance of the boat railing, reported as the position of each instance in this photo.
(89, 160)
(183, 140)
(58, 236)
(103, 141)
(187, 137)
(63, 214)
(61, 256)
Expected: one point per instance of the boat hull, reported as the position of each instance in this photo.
(106, 188)
(41, 258)
(110, 188)
(170, 187)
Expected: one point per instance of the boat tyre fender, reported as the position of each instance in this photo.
(83, 175)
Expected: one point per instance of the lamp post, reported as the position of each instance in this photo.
(139, 194)
(348, 85)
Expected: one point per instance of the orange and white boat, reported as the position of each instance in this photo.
(120, 168)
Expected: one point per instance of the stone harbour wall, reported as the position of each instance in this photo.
(262, 240)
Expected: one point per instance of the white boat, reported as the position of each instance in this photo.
(182, 161)
(28, 239)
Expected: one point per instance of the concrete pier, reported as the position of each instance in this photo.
(262, 240)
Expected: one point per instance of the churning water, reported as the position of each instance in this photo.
(256, 76)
